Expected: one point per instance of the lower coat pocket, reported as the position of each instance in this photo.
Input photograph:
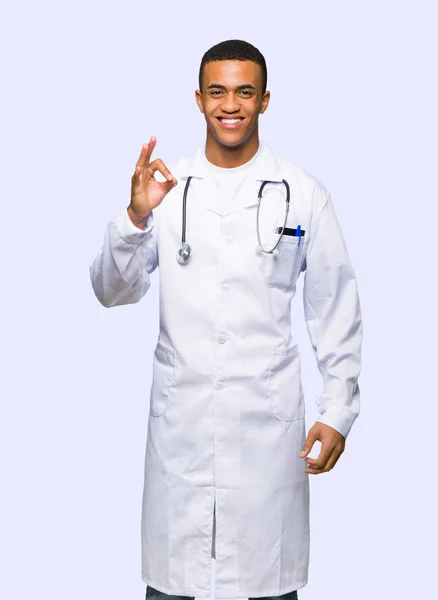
(284, 384)
(163, 374)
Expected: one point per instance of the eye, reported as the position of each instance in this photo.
(246, 92)
(214, 92)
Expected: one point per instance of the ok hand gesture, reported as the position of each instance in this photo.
(146, 192)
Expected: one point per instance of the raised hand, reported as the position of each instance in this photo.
(146, 192)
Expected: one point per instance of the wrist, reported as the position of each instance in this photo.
(138, 220)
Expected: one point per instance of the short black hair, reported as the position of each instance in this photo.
(234, 50)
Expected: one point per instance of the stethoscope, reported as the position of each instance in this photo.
(184, 253)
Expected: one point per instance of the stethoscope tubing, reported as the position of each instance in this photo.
(185, 251)
(184, 219)
(285, 216)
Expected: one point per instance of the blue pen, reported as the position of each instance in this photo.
(298, 233)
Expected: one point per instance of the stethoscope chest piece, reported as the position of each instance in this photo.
(184, 253)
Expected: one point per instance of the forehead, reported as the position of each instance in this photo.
(232, 73)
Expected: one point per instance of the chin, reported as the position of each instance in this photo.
(232, 144)
(231, 141)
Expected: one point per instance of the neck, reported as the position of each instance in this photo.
(229, 157)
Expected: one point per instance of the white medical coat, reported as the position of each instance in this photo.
(227, 413)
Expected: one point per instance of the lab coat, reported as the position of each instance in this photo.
(227, 412)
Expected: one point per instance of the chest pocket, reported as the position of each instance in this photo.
(282, 269)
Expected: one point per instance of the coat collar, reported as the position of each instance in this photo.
(268, 169)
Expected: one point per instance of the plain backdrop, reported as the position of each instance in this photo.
(354, 102)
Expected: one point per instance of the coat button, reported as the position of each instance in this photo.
(219, 385)
(222, 338)
(229, 240)
(226, 287)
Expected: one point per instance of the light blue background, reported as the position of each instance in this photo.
(354, 103)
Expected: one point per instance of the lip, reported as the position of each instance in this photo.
(230, 125)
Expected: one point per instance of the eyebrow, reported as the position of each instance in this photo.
(239, 87)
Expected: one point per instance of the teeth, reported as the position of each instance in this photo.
(231, 120)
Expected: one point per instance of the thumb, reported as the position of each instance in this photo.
(308, 444)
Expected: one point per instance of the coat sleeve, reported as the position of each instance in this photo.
(120, 270)
(333, 315)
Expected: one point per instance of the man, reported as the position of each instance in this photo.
(226, 466)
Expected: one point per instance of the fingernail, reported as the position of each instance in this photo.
(169, 177)
(302, 453)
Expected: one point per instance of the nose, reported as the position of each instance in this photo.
(230, 103)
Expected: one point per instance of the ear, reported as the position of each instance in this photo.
(198, 96)
(265, 101)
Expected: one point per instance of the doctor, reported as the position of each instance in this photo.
(226, 465)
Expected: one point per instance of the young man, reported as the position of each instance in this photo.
(226, 432)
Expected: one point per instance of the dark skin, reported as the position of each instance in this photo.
(332, 446)
(230, 88)
(224, 95)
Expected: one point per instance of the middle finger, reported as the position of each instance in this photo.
(321, 460)
(317, 465)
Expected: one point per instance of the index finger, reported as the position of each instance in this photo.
(321, 460)
(145, 154)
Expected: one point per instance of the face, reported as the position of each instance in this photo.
(231, 101)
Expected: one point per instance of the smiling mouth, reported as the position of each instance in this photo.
(230, 119)
(230, 122)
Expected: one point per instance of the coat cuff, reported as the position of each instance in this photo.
(340, 419)
(129, 232)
